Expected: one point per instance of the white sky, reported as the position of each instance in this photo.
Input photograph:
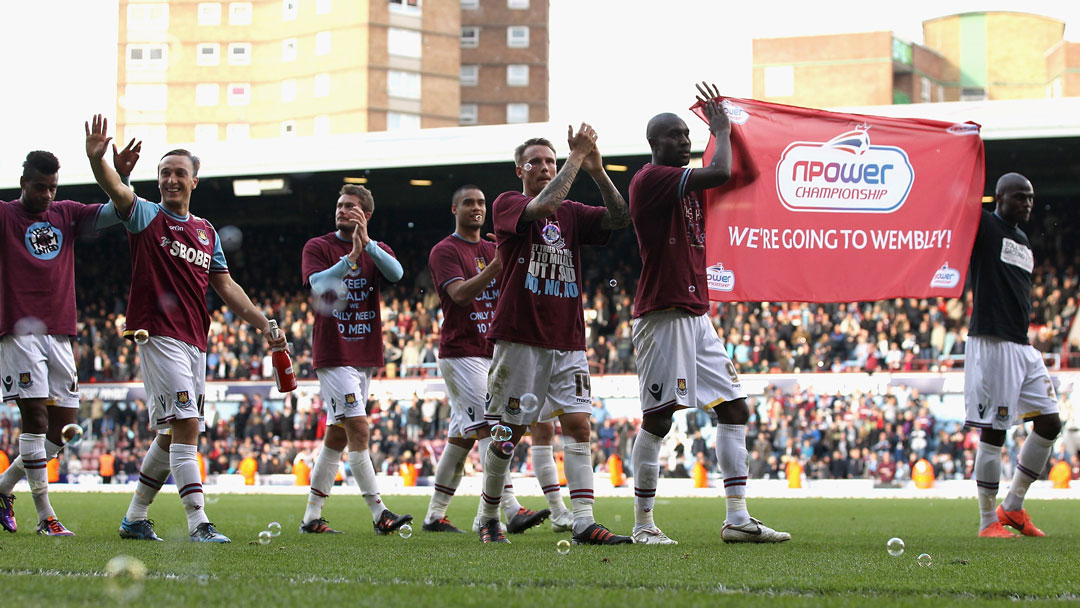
(612, 62)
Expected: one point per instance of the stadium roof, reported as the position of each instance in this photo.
(1001, 120)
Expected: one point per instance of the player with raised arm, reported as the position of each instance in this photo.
(1005, 379)
(347, 267)
(539, 327)
(37, 321)
(681, 361)
(466, 269)
(175, 256)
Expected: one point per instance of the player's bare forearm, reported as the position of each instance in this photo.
(554, 193)
(237, 300)
(464, 292)
(618, 212)
(718, 172)
(109, 180)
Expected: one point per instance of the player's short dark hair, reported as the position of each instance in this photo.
(41, 161)
(460, 193)
(182, 152)
(519, 152)
(367, 201)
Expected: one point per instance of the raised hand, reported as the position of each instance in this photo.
(125, 159)
(714, 110)
(583, 142)
(97, 140)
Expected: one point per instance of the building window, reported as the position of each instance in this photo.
(209, 13)
(517, 112)
(470, 37)
(470, 5)
(289, 9)
(517, 37)
(406, 43)
(288, 91)
(321, 125)
(973, 94)
(148, 16)
(322, 85)
(206, 133)
(239, 53)
(408, 7)
(517, 4)
(940, 93)
(288, 49)
(322, 43)
(288, 128)
(469, 114)
(147, 56)
(517, 75)
(780, 81)
(239, 13)
(322, 7)
(145, 97)
(237, 132)
(924, 89)
(207, 94)
(403, 84)
(397, 121)
(470, 75)
(239, 94)
(208, 53)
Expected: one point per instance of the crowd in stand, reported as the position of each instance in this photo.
(853, 436)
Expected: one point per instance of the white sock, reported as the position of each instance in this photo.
(731, 454)
(509, 502)
(1029, 463)
(646, 460)
(495, 467)
(447, 477)
(482, 447)
(364, 472)
(547, 474)
(185, 470)
(987, 477)
(579, 477)
(32, 452)
(322, 481)
(152, 474)
(15, 470)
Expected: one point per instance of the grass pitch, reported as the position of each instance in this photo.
(836, 558)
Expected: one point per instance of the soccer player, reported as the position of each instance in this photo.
(37, 321)
(175, 256)
(465, 269)
(1005, 379)
(681, 361)
(538, 370)
(348, 267)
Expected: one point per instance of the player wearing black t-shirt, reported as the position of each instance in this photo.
(1005, 379)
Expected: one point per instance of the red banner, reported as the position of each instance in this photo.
(830, 207)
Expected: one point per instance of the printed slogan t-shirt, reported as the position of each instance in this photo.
(540, 299)
(464, 328)
(37, 267)
(670, 227)
(1001, 265)
(353, 336)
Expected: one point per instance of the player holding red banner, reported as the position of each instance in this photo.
(37, 321)
(175, 256)
(1005, 378)
(347, 343)
(466, 269)
(539, 328)
(681, 361)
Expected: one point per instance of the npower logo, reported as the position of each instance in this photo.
(846, 174)
(945, 277)
(720, 279)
